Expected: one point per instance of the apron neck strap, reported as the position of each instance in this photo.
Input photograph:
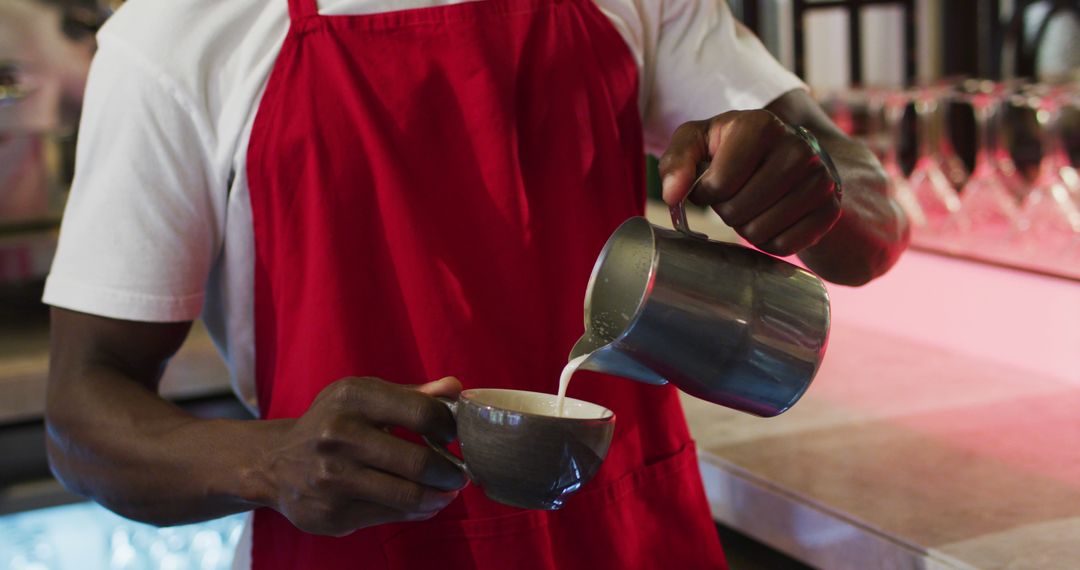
(300, 9)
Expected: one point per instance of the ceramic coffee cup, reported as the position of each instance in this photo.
(520, 452)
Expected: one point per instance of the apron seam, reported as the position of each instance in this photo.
(471, 11)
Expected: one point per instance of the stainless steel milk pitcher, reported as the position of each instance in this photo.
(720, 321)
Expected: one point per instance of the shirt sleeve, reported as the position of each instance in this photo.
(145, 216)
(705, 63)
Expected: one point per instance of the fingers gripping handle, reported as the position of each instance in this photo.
(442, 449)
(678, 211)
(812, 141)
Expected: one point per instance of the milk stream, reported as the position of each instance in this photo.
(564, 380)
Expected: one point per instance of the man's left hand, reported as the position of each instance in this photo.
(762, 178)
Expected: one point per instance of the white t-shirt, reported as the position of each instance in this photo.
(158, 224)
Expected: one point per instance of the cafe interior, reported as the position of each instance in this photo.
(942, 428)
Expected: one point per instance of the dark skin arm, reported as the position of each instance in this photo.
(332, 471)
(766, 183)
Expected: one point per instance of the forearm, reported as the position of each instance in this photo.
(872, 230)
(331, 471)
(115, 441)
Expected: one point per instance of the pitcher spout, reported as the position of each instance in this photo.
(586, 344)
(607, 359)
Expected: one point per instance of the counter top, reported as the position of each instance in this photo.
(915, 448)
(24, 367)
(904, 456)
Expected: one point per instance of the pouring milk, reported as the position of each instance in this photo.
(564, 380)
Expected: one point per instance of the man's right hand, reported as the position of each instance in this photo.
(338, 469)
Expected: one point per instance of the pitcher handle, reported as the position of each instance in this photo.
(678, 212)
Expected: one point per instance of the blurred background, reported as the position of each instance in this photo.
(973, 107)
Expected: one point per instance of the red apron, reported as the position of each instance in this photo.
(430, 189)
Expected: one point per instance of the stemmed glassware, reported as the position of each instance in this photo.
(951, 163)
(1010, 174)
(878, 136)
(930, 186)
(1050, 219)
(1049, 101)
(999, 214)
(894, 104)
(988, 210)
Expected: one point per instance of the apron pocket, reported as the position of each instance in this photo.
(519, 541)
(653, 517)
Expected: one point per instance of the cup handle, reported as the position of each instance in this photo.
(678, 211)
(442, 449)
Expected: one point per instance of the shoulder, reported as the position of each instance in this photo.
(178, 31)
(205, 49)
(632, 13)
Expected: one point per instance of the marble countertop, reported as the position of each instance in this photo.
(904, 456)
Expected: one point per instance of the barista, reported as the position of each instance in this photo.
(373, 206)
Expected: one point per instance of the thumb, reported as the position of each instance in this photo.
(448, 387)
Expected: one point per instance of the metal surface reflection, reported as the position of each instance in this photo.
(722, 322)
